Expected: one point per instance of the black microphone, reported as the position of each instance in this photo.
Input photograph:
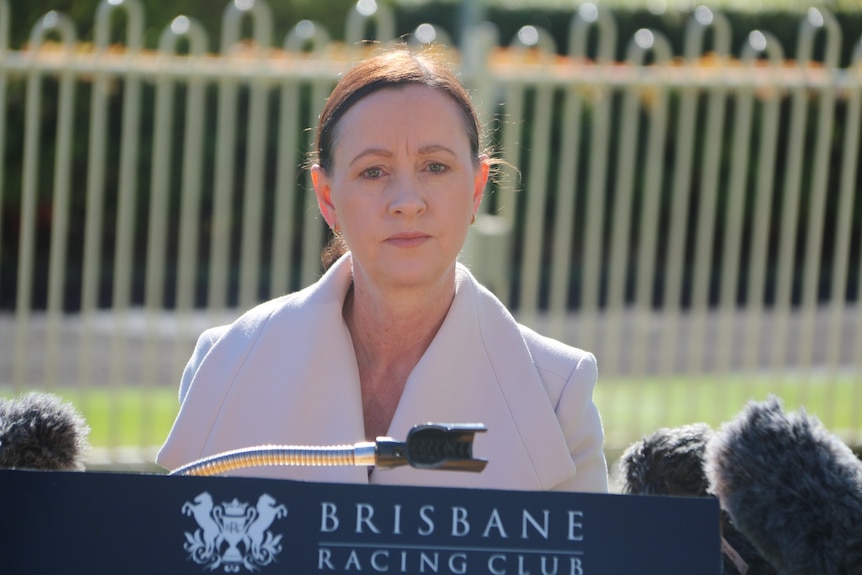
(40, 431)
(667, 462)
(670, 462)
(792, 487)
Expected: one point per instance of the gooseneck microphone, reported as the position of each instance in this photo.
(39, 430)
(446, 446)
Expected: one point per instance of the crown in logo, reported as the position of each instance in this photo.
(234, 508)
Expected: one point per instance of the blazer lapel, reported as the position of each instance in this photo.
(479, 370)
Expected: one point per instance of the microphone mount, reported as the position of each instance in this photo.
(447, 446)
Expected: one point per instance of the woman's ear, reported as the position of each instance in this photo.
(323, 192)
(480, 181)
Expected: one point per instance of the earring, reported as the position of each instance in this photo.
(473, 221)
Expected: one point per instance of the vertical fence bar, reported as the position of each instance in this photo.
(681, 192)
(256, 139)
(621, 219)
(651, 201)
(223, 182)
(482, 250)
(5, 16)
(94, 214)
(188, 265)
(562, 256)
(597, 178)
(59, 252)
(507, 200)
(157, 234)
(537, 182)
(314, 229)
(818, 191)
(127, 195)
(52, 21)
(702, 270)
(856, 352)
(287, 186)
(26, 236)
(752, 336)
(790, 199)
(641, 262)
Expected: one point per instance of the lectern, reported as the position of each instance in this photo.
(145, 524)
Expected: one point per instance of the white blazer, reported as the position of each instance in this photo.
(285, 373)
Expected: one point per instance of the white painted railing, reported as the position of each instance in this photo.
(685, 218)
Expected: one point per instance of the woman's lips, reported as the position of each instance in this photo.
(407, 239)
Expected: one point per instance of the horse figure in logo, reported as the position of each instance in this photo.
(206, 539)
(262, 544)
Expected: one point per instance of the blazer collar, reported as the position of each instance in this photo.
(274, 378)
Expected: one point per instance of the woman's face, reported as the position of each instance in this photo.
(403, 186)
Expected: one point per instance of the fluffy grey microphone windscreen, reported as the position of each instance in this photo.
(667, 462)
(792, 487)
(40, 431)
(670, 461)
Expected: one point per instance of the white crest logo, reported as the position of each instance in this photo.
(233, 534)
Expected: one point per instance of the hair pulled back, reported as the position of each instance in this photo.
(395, 68)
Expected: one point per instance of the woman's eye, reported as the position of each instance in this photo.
(372, 173)
(436, 168)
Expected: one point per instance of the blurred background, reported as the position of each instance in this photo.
(687, 203)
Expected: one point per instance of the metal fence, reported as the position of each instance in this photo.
(695, 221)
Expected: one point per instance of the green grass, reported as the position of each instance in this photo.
(123, 416)
(629, 408)
(129, 416)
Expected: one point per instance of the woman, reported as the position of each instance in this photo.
(396, 333)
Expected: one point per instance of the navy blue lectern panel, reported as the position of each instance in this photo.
(111, 523)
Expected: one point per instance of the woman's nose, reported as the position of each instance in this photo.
(407, 197)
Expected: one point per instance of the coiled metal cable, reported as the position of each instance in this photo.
(275, 455)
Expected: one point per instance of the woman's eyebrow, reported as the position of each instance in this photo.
(383, 152)
(434, 148)
(371, 152)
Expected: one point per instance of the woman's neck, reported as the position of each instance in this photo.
(390, 333)
(386, 327)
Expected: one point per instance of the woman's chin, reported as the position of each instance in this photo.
(413, 275)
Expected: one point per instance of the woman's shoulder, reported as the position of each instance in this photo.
(556, 361)
(248, 323)
(560, 364)
(554, 353)
(232, 338)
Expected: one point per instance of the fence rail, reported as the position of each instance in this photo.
(695, 221)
